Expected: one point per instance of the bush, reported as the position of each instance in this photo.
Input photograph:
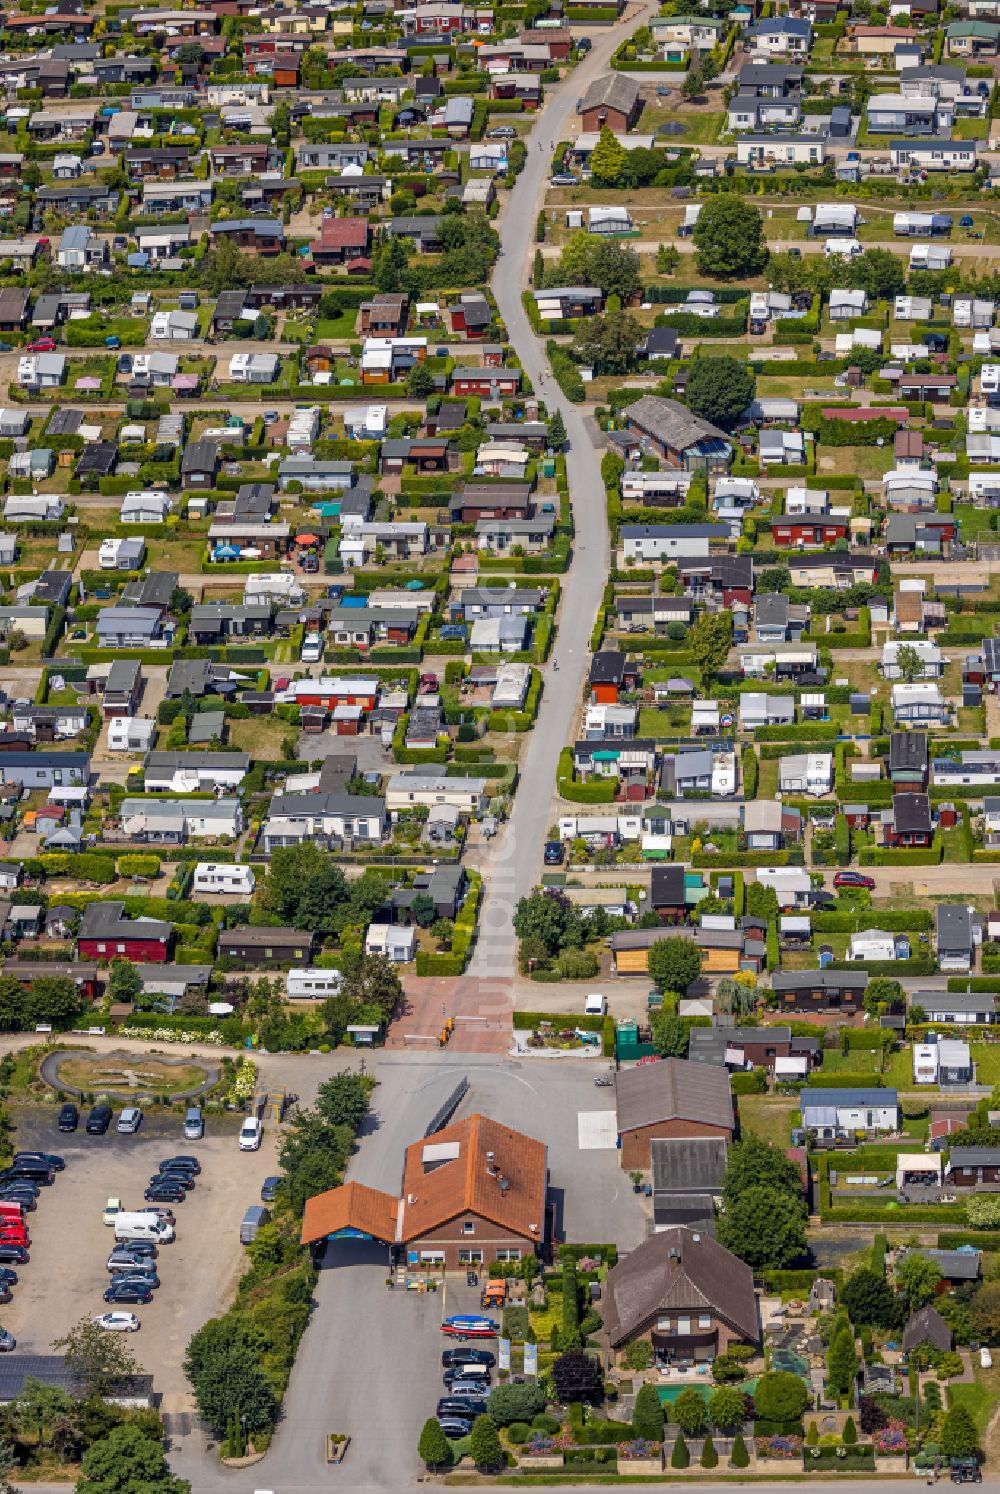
(709, 1456)
(679, 1456)
(647, 1417)
(518, 1432)
(850, 1434)
(509, 1403)
(740, 1458)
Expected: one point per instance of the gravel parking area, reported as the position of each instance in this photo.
(66, 1275)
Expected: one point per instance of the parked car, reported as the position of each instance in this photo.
(162, 1191)
(854, 879)
(144, 1274)
(99, 1120)
(460, 1406)
(69, 1117)
(174, 1175)
(269, 1189)
(128, 1291)
(251, 1134)
(118, 1322)
(194, 1124)
(112, 1209)
(9, 1251)
(7, 1341)
(455, 1426)
(52, 1160)
(130, 1120)
(451, 1357)
(501, 132)
(42, 345)
(565, 179)
(185, 1161)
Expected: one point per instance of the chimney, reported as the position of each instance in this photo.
(504, 1186)
(673, 1254)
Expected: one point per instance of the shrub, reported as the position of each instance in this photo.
(510, 1403)
(709, 1456)
(850, 1434)
(740, 1458)
(639, 1354)
(518, 1433)
(679, 1456)
(647, 1417)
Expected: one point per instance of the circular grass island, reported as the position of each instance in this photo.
(129, 1075)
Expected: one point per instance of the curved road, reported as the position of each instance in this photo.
(513, 870)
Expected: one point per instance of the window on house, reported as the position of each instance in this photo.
(509, 1254)
(468, 1227)
(704, 1320)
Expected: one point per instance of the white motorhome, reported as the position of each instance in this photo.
(312, 984)
(211, 876)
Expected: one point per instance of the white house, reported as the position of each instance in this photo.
(839, 1112)
(806, 773)
(919, 704)
(395, 942)
(221, 876)
(871, 944)
(194, 772)
(791, 883)
(145, 506)
(925, 1063)
(131, 733)
(931, 661)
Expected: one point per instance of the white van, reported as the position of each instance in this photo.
(135, 1226)
(595, 1005)
(251, 1134)
(312, 648)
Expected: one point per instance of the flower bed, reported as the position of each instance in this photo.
(890, 1440)
(641, 1456)
(782, 1449)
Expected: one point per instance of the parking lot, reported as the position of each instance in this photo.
(66, 1275)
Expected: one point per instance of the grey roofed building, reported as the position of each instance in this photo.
(612, 91)
(52, 1371)
(954, 1265)
(673, 1088)
(688, 1164)
(679, 1269)
(927, 1327)
(671, 423)
(207, 726)
(107, 920)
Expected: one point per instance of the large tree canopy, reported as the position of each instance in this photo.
(729, 237)
(720, 390)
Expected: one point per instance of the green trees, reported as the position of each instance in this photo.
(555, 433)
(720, 389)
(869, 1299)
(647, 1416)
(729, 237)
(850, 1435)
(124, 981)
(727, 1408)
(674, 963)
(588, 260)
(710, 639)
(740, 1458)
(510, 1402)
(958, 1433)
(607, 159)
(709, 1456)
(689, 1412)
(342, 1100)
(126, 1461)
(434, 1447)
(878, 272)
(223, 1364)
(908, 660)
(101, 1359)
(484, 1444)
(577, 1376)
(916, 1279)
(841, 1360)
(670, 1035)
(780, 1396)
(985, 1310)
(608, 343)
(679, 1456)
(764, 1218)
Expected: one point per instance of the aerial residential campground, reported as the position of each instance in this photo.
(499, 744)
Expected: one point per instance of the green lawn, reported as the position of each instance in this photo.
(768, 1117)
(986, 1057)
(973, 522)
(900, 1075)
(979, 1398)
(700, 128)
(338, 328)
(860, 1061)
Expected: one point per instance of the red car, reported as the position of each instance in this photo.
(854, 879)
(42, 345)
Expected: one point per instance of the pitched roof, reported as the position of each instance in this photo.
(672, 423)
(927, 1326)
(673, 1089)
(613, 90)
(679, 1270)
(688, 1163)
(352, 1206)
(463, 1169)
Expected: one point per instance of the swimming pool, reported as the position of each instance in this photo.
(669, 1393)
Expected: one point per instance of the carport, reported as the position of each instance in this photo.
(351, 1212)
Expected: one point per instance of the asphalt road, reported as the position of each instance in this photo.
(515, 866)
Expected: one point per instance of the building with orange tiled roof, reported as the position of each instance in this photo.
(473, 1193)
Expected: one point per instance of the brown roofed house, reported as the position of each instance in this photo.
(473, 1193)
(673, 1097)
(684, 1293)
